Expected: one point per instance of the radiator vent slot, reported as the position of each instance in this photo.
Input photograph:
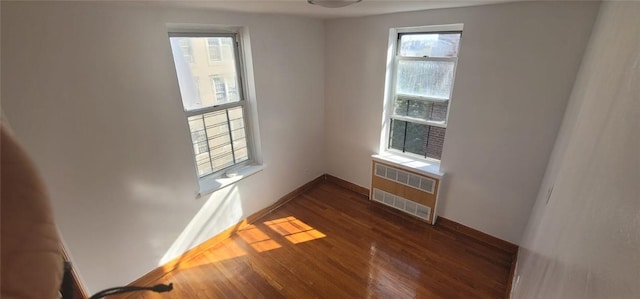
(402, 204)
(406, 178)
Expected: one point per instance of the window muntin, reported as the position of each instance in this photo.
(424, 72)
(216, 116)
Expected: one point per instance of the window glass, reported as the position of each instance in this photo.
(435, 111)
(194, 96)
(430, 45)
(431, 79)
(415, 138)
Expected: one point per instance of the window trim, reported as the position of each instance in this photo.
(390, 93)
(228, 175)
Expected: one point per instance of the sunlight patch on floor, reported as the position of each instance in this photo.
(228, 251)
(257, 239)
(294, 230)
(290, 228)
(221, 210)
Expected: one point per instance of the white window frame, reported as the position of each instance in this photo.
(390, 87)
(246, 93)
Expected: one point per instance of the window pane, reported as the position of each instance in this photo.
(205, 57)
(419, 139)
(235, 113)
(219, 139)
(223, 161)
(203, 164)
(430, 45)
(239, 143)
(425, 78)
(200, 144)
(436, 140)
(427, 110)
(221, 150)
(238, 134)
(215, 118)
(241, 154)
(415, 138)
(396, 138)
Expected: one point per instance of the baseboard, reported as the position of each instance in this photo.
(78, 291)
(283, 200)
(490, 240)
(512, 273)
(348, 185)
(477, 235)
(442, 222)
(154, 275)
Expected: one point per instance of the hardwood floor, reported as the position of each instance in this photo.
(331, 242)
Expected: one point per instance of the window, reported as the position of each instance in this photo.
(423, 74)
(214, 49)
(187, 51)
(220, 88)
(217, 121)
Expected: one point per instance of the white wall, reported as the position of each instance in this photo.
(516, 68)
(91, 91)
(585, 242)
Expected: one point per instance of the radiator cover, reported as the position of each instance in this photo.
(411, 192)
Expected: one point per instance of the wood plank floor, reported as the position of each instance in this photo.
(333, 243)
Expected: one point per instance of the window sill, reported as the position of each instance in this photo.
(428, 167)
(211, 184)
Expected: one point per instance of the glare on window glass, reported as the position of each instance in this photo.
(425, 78)
(430, 45)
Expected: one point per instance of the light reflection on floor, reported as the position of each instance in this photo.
(383, 274)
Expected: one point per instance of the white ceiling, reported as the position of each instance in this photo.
(302, 8)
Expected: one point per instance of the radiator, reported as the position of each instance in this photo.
(411, 192)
